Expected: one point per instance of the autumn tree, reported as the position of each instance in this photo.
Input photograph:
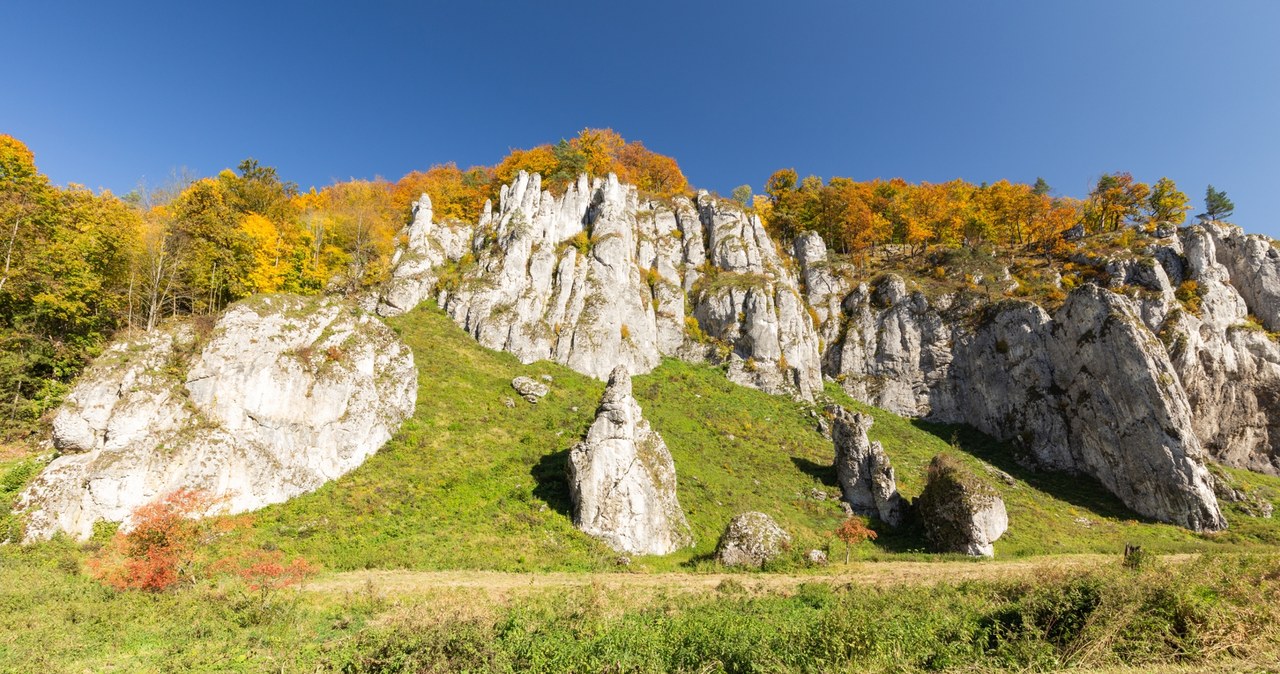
(1116, 200)
(853, 530)
(158, 550)
(1166, 203)
(362, 227)
(1216, 205)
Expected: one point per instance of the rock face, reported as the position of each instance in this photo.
(862, 469)
(599, 277)
(1090, 390)
(416, 267)
(284, 394)
(622, 479)
(751, 539)
(960, 513)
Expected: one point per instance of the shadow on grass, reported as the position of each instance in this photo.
(824, 473)
(551, 482)
(1082, 491)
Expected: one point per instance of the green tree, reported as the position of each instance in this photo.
(1216, 205)
(1041, 187)
(742, 195)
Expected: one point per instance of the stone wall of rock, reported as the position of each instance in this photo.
(600, 277)
(285, 394)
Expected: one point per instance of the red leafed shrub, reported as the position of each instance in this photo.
(159, 549)
(267, 570)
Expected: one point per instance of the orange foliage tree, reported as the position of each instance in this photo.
(853, 531)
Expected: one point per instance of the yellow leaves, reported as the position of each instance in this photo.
(267, 271)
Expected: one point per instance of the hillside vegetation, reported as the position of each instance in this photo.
(471, 483)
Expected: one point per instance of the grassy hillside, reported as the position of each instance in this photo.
(470, 483)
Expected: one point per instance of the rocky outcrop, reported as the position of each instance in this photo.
(1089, 390)
(751, 539)
(960, 513)
(862, 469)
(416, 266)
(283, 395)
(622, 480)
(600, 276)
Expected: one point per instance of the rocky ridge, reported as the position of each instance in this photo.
(602, 276)
(281, 396)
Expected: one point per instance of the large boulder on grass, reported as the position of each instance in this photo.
(751, 539)
(961, 513)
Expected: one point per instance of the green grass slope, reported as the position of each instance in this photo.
(471, 483)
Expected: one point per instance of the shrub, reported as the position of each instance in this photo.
(1189, 294)
(853, 531)
(158, 551)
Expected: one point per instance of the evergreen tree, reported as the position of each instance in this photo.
(1216, 205)
(1041, 188)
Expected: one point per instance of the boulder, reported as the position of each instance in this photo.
(530, 389)
(816, 557)
(751, 539)
(862, 468)
(959, 511)
(282, 395)
(622, 480)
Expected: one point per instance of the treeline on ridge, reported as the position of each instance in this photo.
(80, 266)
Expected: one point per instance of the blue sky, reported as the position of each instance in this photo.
(109, 93)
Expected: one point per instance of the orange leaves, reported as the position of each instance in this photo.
(455, 194)
(169, 543)
(267, 570)
(853, 530)
(158, 550)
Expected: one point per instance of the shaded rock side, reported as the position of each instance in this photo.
(862, 469)
(1089, 390)
(283, 395)
(600, 276)
(960, 513)
(751, 539)
(622, 480)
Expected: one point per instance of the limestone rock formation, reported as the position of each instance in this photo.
(960, 513)
(622, 480)
(284, 394)
(416, 267)
(751, 539)
(1089, 390)
(599, 276)
(862, 469)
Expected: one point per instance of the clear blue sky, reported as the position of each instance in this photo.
(108, 93)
